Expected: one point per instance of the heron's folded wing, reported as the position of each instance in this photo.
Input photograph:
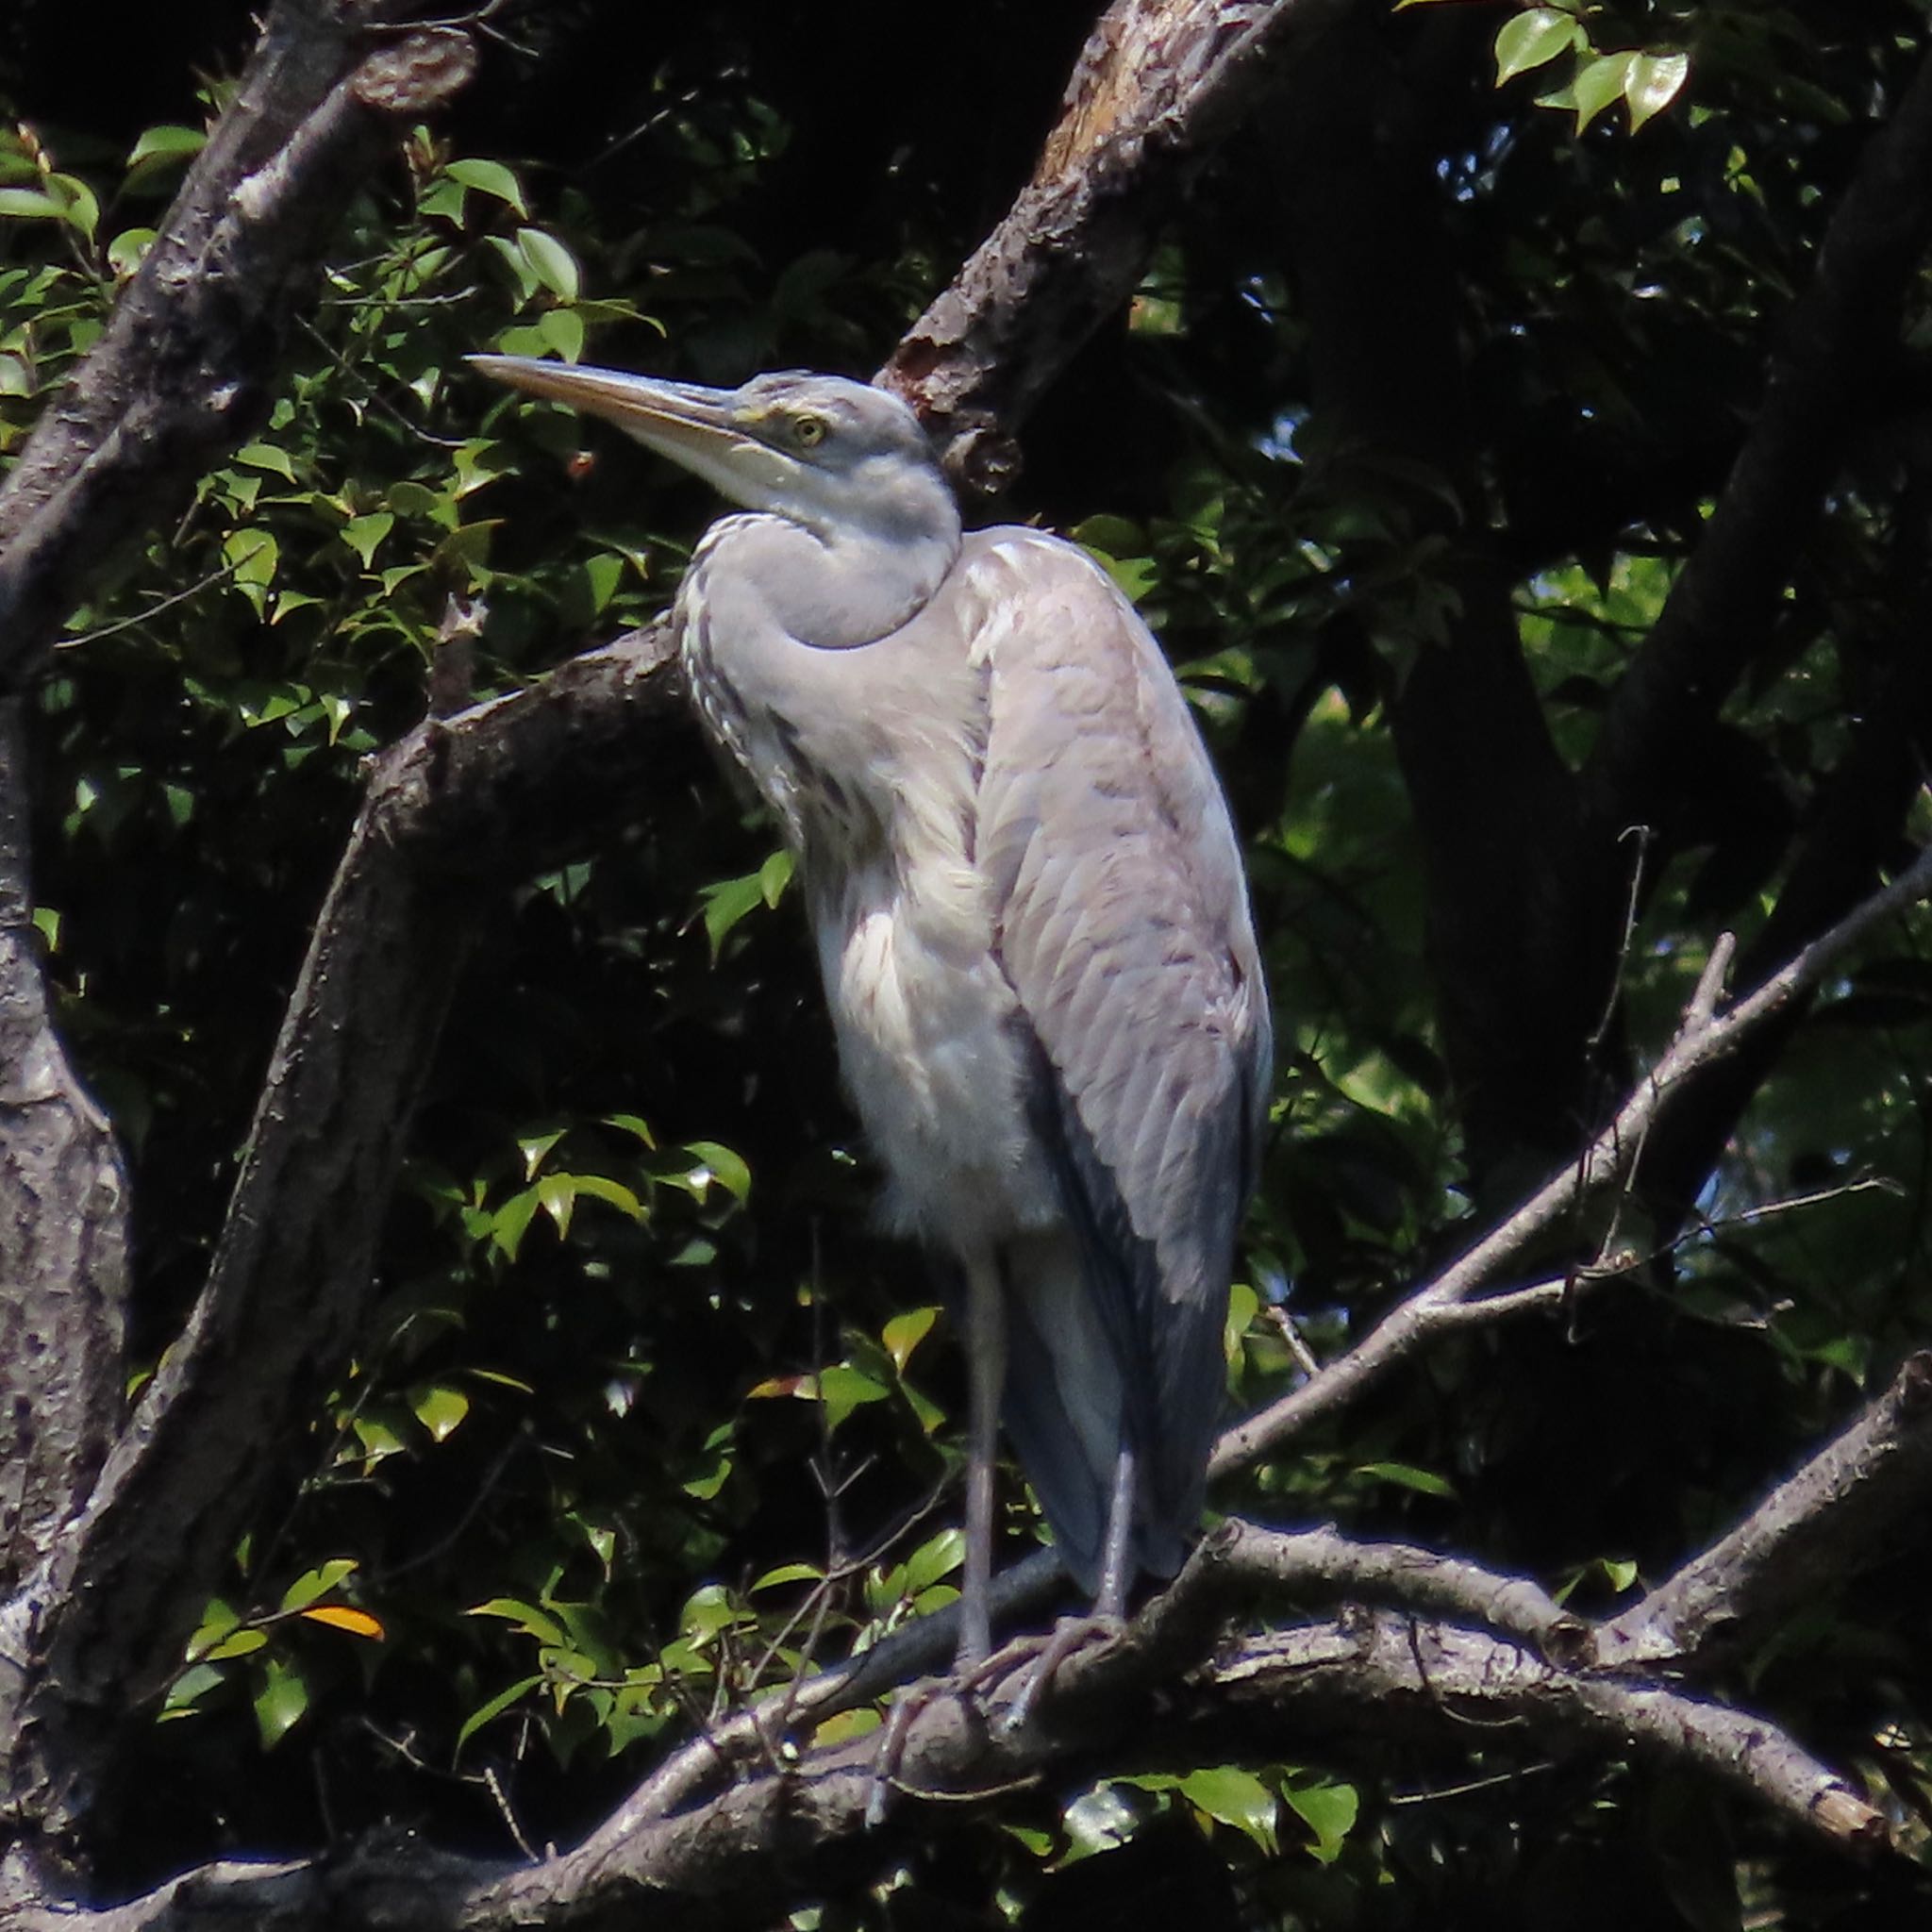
(1122, 924)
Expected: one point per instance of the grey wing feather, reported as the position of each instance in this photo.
(1123, 927)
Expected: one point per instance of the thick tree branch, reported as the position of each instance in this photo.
(1835, 1517)
(1159, 83)
(64, 1231)
(796, 1815)
(292, 1284)
(1719, 610)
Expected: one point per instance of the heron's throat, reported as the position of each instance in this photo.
(866, 585)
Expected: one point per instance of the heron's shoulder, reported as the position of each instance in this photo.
(1012, 549)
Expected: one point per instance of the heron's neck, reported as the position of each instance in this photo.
(847, 585)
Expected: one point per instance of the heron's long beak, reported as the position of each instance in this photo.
(695, 426)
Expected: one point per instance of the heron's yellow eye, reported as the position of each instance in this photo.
(809, 431)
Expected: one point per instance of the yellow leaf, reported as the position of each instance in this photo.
(340, 1617)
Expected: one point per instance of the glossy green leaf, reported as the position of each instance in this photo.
(441, 1410)
(491, 178)
(550, 262)
(1598, 82)
(281, 1700)
(1230, 1795)
(905, 1332)
(1329, 1811)
(1406, 1476)
(317, 1583)
(1529, 39)
(1652, 82)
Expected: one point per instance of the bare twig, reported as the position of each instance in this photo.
(1704, 1037)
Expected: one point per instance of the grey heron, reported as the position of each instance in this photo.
(1031, 919)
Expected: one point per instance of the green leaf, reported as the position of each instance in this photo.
(775, 876)
(1652, 83)
(615, 1193)
(1531, 38)
(550, 262)
(265, 456)
(937, 1556)
(31, 205)
(725, 1167)
(192, 1684)
(511, 1222)
(494, 1707)
(217, 1622)
(491, 178)
(441, 1410)
(562, 329)
(557, 1194)
(841, 1389)
(127, 250)
(1423, 1481)
(725, 903)
(535, 1148)
(526, 1617)
(1230, 1795)
(1329, 1810)
(314, 1583)
(242, 1643)
(1597, 84)
(362, 534)
(280, 1700)
(904, 1333)
(789, 1572)
(169, 141)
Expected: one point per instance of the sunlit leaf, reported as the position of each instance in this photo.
(1652, 83)
(491, 178)
(1531, 38)
(1426, 1482)
(441, 1410)
(280, 1700)
(550, 262)
(316, 1583)
(345, 1617)
(1230, 1795)
(1329, 1810)
(905, 1332)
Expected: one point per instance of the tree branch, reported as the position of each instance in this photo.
(1826, 1523)
(1374, 1676)
(1159, 83)
(1706, 1037)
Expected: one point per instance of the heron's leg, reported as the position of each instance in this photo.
(1116, 1558)
(1109, 1602)
(986, 1351)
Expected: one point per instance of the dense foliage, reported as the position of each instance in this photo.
(651, 1420)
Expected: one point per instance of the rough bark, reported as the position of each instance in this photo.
(63, 1232)
(1425, 1647)
(1159, 83)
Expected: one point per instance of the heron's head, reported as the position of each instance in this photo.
(832, 455)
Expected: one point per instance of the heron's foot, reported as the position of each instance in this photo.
(909, 1701)
(1071, 1634)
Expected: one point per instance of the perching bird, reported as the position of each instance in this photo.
(1031, 921)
